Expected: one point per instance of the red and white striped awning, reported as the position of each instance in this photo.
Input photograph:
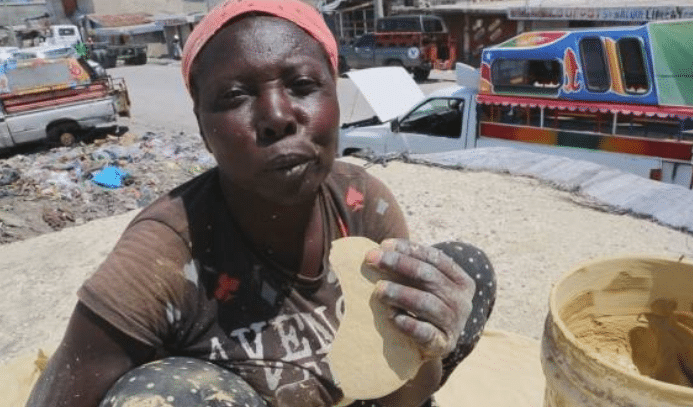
(681, 112)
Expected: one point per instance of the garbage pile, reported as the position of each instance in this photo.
(49, 190)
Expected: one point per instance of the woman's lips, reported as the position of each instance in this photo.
(290, 162)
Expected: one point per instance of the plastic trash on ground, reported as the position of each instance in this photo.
(110, 177)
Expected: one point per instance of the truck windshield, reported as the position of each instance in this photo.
(367, 40)
(435, 117)
(399, 25)
(432, 25)
(66, 32)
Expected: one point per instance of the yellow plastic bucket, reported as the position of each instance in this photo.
(586, 352)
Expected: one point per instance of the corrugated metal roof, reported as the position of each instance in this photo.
(120, 20)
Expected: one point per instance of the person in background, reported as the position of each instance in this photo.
(220, 293)
(177, 52)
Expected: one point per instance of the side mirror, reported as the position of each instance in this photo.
(394, 125)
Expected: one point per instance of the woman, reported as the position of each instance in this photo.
(231, 267)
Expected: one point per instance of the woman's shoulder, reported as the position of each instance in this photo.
(183, 205)
(351, 177)
(345, 173)
(369, 207)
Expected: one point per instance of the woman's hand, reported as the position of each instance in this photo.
(431, 296)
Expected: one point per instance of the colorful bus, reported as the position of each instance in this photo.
(626, 91)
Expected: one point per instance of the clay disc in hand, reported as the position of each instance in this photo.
(370, 357)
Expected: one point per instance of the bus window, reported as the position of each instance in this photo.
(594, 65)
(535, 76)
(576, 121)
(432, 25)
(515, 115)
(651, 127)
(633, 65)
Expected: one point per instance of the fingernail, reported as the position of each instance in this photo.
(379, 288)
(389, 244)
(373, 257)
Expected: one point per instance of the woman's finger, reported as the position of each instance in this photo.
(424, 305)
(432, 342)
(419, 263)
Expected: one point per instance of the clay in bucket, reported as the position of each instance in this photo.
(370, 357)
(663, 350)
(620, 332)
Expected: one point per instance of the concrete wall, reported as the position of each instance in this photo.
(15, 14)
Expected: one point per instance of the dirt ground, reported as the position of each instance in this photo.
(531, 232)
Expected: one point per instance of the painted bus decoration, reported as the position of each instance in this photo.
(624, 90)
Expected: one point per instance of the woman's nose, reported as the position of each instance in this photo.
(276, 116)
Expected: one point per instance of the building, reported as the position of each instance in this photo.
(481, 23)
(28, 16)
(162, 24)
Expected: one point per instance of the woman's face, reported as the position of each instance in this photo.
(266, 103)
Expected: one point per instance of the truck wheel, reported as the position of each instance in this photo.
(342, 66)
(67, 139)
(421, 74)
(99, 56)
(110, 61)
(63, 135)
(141, 59)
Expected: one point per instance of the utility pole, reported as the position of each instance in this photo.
(378, 8)
(7, 21)
(10, 31)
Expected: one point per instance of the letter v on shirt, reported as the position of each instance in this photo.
(292, 331)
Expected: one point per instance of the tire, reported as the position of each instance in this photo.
(342, 66)
(63, 134)
(67, 139)
(421, 74)
(110, 61)
(99, 56)
(141, 59)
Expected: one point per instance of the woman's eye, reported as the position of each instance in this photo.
(304, 86)
(231, 94)
(230, 98)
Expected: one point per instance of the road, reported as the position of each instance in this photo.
(160, 101)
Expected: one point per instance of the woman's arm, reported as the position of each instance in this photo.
(91, 357)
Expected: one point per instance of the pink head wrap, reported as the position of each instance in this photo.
(296, 11)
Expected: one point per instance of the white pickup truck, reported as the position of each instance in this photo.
(406, 121)
(56, 100)
(453, 119)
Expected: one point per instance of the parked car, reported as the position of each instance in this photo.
(418, 43)
(7, 53)
(58, 100)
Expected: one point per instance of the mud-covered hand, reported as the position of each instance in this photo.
(431, 296)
